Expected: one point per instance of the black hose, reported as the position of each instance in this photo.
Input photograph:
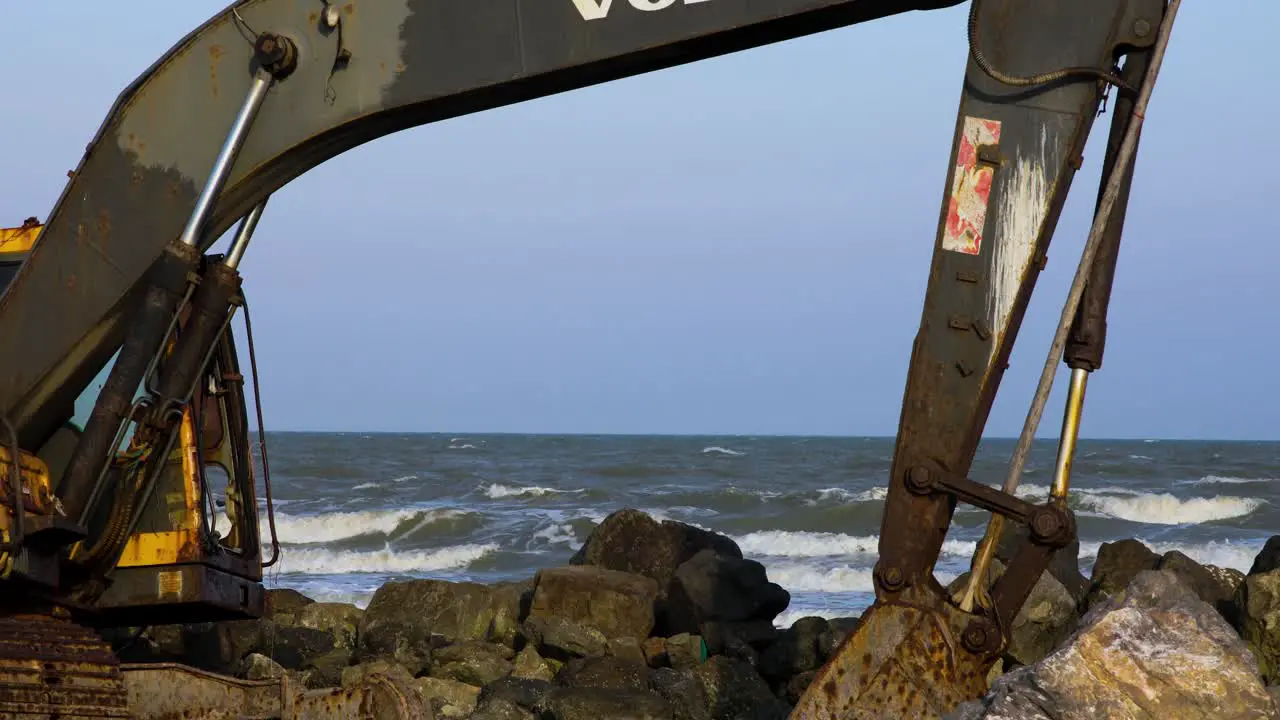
(980, 58)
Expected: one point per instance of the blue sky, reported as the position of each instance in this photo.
(734, 246)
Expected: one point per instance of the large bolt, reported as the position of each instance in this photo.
(920, 480)
(1141, 28)
(975, 637)
(1048, 526)
(277, 54)
(890, 577)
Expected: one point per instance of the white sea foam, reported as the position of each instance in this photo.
(808, 578)
(498, 491)
(329, 527)
(1220, 553)
(1166, 509)
(1228, 480)
(787, 543)
(789, 617)
(319, 561)
(717, 450)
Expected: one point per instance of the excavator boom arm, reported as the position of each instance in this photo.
(383, 67)
(268, 89)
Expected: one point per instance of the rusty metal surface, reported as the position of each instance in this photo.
(1015, 151)
(377, 697)
(163, 691)
(978, 291)
(904, 660)
(53, 668)
(411, 62)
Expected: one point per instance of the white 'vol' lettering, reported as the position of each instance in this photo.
(599, 9)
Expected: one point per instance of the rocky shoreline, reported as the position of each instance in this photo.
(661, 620)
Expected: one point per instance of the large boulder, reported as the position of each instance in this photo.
(474, 662)
(734, 691)
(618, 604)
(1214, 585)
(562, 639)
(709, 587)
(1258, 620)
(590, 703)
(1116, 565)
(795, 652)
(407, 620)
(1151, 651)
(631, 541)
(1268, 558)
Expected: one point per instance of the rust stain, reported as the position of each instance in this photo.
(313, 18)
(349, 9)
(104, 227)
(215, 54)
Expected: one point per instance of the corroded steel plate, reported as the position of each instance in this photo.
(904, 660)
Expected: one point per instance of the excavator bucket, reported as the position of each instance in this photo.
(904, 660)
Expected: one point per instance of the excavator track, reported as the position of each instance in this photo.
(53, 668)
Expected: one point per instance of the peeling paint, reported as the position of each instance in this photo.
(970, 188)
(1024, 202)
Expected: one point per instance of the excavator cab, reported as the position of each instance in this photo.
(195, 553)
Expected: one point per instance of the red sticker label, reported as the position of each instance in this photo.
(970, 188)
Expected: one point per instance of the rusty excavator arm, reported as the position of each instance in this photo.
(116, 524)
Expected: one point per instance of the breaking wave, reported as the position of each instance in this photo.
(319, 561)
(785, 543)
(497, 491)
(1166, 509)
(330, 527)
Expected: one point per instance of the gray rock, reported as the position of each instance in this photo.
(1153, 651)
(529, 665)
(1268, 558)
(259, 667)
(631, 541)
(341, 620)
(1259, 621)
(357, 674)
(736, 692)
(604, 671)
(618, 604)
(627, 648)
(683, 691)
(562, 639)
(407, 620)
(837, 630)
(1116, 565)
(685, 650)
(795, 651)
(1212, 585)
(523, 692)
(598, 703)
(448, 698)
(709, 587)
(473, 662)
(500, 709)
